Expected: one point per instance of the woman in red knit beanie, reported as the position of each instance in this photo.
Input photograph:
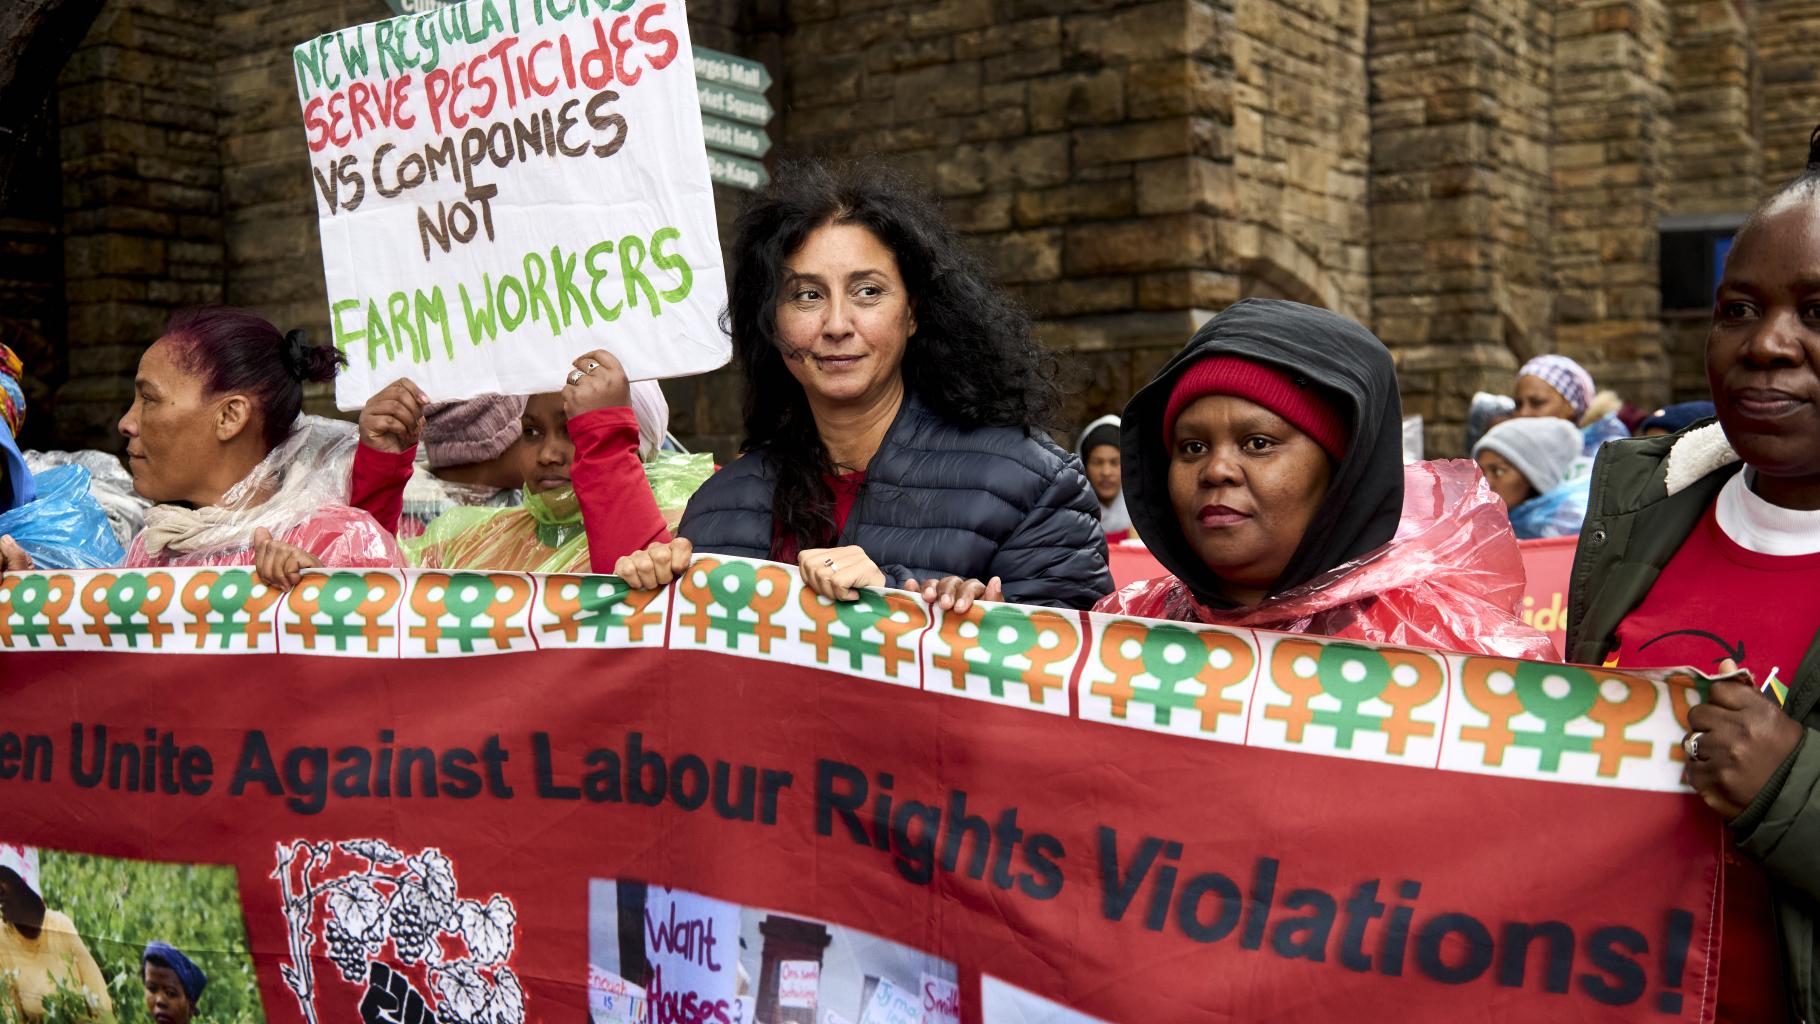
(1263, 466)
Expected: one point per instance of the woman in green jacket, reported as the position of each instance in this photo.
(1703, 548)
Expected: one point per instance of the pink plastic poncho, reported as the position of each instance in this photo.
(298, 492)
(1451, 579)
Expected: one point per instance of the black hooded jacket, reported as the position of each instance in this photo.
(1354, 372)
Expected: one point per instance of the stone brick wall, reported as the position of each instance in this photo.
(1478, 181)
(1788, 64)
(1301, 152)
(142, 198)
(1611, 146)
(1460, 199)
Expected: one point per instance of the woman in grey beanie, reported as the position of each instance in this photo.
(1528, 463)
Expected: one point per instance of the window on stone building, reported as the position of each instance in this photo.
(1693, 257)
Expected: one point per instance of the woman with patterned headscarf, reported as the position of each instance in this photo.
(1557, 386)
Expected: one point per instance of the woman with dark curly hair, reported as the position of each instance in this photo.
(894, 400)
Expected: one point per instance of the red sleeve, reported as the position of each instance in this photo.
(617, 507)
(378, 485)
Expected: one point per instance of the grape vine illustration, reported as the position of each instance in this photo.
(411, 904)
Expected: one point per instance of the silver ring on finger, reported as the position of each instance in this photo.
(1691, 745)
(829, 562)
(591, 367)
(575, 376)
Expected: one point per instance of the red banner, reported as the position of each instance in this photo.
(1549, 563)
(731, 801)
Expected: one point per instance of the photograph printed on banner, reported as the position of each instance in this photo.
(96, 940)
(658, 955)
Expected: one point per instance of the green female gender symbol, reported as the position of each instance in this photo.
(1168, 697)
(596, 597)
(227, 596)
(1331, 671)
(993, 626)
(340, 595)
(232, 590)
(126, 598)
(733, 585)
(1555, 712)
(858, 616)
(468, 595)
(29, 598)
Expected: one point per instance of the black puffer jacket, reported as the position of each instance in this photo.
(940, 500)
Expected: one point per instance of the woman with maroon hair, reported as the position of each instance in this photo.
(215, 439)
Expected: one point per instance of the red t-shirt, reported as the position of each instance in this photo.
(846, 488)
(1708, 605)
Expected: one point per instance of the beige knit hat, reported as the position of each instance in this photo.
(475, 430)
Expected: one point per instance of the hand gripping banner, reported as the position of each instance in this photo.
(493, 797)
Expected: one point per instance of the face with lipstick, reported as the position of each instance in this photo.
(1763, 353)
(1251, 453)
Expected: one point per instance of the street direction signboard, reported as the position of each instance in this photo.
(734, 113)
(735, 138)
(738, 104)
(737, 172)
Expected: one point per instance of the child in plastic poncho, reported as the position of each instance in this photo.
(1527, 462)
(585, 453)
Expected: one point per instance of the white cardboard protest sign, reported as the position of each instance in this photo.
(692, 943)
(798, 982)
(892, 1004)
(503, 185)
(941, 1000)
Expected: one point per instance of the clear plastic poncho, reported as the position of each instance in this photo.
(427, 496)
(1558, 513)
(299, 492)
(674, 478)
(545, 534)
(109, 483)
(64, 527)
(1450, 579)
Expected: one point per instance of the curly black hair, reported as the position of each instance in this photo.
(972, 359)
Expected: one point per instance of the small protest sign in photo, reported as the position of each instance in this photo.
(661, 954)
(505, 185)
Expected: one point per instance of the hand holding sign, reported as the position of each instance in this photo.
(957, 593)
(838, 573)
(392, 420)
(277, 564)
(13, 557)
(1743, 737)
(656, 565)
(597, 382)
